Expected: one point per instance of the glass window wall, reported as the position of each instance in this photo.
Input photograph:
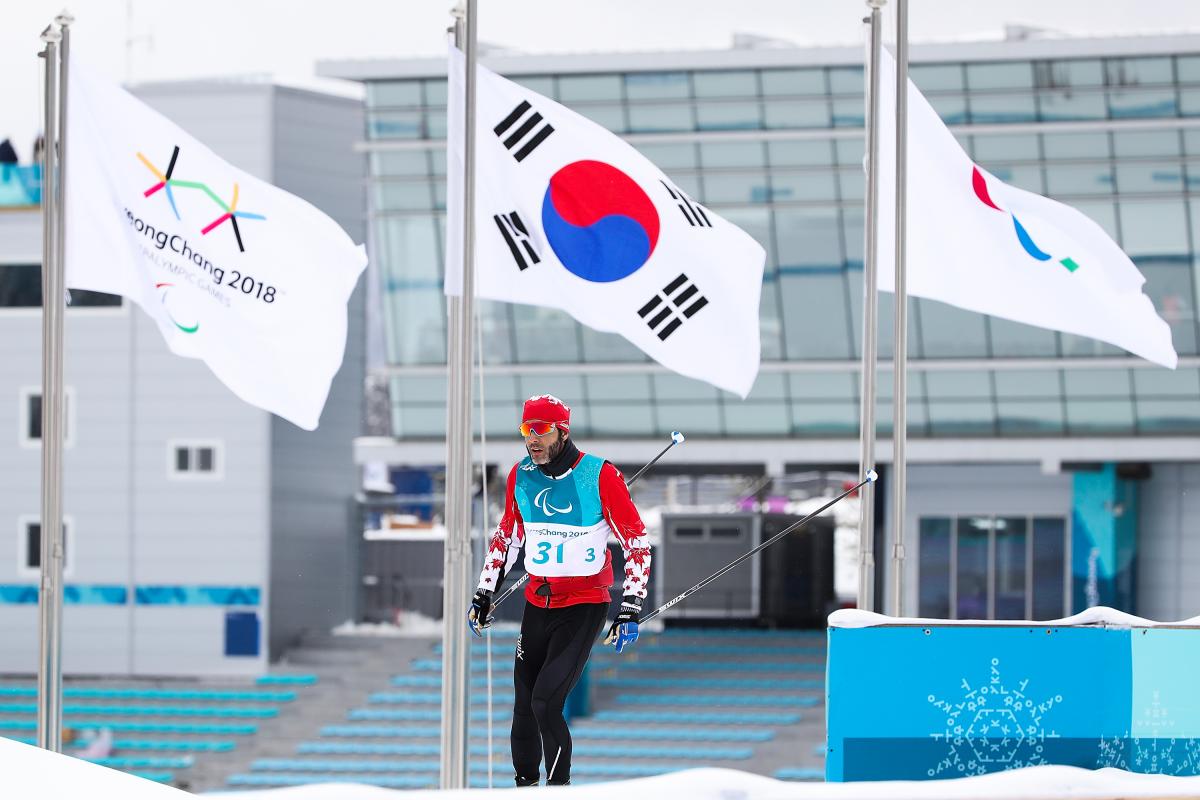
(801, 197)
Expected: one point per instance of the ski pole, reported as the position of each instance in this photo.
(676, 438)
(871, 476)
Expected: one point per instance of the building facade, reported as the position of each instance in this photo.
(203, 534)
(1048, 472)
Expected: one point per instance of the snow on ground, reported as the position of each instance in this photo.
(1033, 783)
(33, 773)
(30, 772)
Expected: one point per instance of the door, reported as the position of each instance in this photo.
(992, 566)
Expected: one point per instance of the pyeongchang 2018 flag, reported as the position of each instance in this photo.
(247, 277)
(570, 216)
(977, 243)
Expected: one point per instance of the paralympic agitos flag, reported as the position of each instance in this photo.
(570, 216)
(977, 243)
(247, 277)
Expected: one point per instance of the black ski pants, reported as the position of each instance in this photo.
(552, 650)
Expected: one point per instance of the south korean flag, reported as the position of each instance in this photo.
(570, 216)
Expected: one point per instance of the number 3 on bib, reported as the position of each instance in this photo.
(549, 555)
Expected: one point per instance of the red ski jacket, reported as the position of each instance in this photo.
(622, 516)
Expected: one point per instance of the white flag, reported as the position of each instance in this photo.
(980, 244)
(236, 272)
(568, 215)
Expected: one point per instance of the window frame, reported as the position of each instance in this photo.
(24, 395)
(120, 309)
(217, 473)
(23, 568)
(1029, 517)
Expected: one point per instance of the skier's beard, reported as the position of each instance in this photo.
(549, 452)
(553, 450)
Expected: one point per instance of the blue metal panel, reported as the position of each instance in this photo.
(957, 700)
(73, 594)
(242, 633)
(198, 595)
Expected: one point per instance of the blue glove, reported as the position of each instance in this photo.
(480, 615)
(624, 630)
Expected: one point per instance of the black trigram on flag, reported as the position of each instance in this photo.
(662, 312)
(529, 134)
(516, 236)
(692, 211)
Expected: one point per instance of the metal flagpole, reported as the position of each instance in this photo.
(866, 460)
(900, 360)
(460, 318)
(485, 529)
(50, 590)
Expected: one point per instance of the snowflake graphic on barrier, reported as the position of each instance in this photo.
(1151, 747)
(992, 727)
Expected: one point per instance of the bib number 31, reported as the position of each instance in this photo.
(545, 550)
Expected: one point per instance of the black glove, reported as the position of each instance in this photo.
(624, 630)
(480, 615)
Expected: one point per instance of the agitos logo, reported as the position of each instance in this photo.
(167, 182)
(981, 192)
(163, 287)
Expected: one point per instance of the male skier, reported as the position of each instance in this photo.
(561, 505)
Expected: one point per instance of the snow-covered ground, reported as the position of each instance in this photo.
(728, 784)
(32, 773)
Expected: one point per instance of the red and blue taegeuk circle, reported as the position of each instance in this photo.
(599, 222)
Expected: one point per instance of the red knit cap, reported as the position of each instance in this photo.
(547, 408)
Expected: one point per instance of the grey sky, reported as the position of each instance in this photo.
(145, 41)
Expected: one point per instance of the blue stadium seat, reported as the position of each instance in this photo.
(405, 715)
(618, 770)
(800, 774)
(716, 700)
(384, 731)
(155, 694)
(429, 781)
(408, 682)
(720, 666)
(743, 633)
(143, 762)
(149, 711)
(434, 698)
(760, 684)
(117, 726)
(435, 714)
(338, 765)
(367, 749)
(696, 718)
(673, 734)
(661, 648)
(177, 745)
(286, 680)
(583, 750)
(499, 678)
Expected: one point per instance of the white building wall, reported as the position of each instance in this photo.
(176, 547)
(1169, 543)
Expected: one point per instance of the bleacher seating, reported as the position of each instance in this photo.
(683, 698)
(153, 735)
